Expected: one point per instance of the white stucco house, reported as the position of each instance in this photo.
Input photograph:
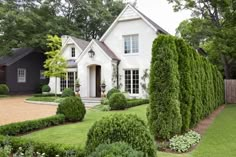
(120, 58)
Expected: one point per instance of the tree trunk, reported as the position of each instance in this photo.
(226, 67)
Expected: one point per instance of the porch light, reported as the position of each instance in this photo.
(91, 53)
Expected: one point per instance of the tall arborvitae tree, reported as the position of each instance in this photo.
(164, 112)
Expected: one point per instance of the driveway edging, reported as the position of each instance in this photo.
(42, 103)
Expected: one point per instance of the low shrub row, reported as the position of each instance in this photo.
(46, 95)
(137, 102)
(31, 125)
(50, 150)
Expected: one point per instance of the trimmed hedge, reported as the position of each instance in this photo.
(50, 150)
(121, 128)
(4, 90)
(136, 102)
(14, 129)
(182, 81)
(117, 101)
(73, 109)
(118, 149)
(112, 91)
(164, 114)
(67, 92)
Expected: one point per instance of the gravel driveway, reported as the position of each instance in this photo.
(14, 109)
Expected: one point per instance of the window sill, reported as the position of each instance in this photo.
(131, 54)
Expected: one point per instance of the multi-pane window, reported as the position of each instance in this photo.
(68, 81)
(131, 44)
(132, 81)
(72, 52)
(21, 75)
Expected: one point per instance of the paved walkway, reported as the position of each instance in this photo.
(14, 109)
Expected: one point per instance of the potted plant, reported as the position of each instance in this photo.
(103, 87)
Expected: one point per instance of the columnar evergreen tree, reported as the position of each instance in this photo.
(164, 117)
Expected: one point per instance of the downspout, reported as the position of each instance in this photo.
(117, 75)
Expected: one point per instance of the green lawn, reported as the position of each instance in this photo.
(219, 140)
(46, 99)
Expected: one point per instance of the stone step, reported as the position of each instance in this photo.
(90, 102)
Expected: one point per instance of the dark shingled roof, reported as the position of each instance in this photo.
(80, 42)
(16, 55)
(159, 28)
(107, 50)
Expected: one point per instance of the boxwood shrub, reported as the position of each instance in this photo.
(31, 125)
(112, 91)
(4, 90)
(117, 149)
(73, 109)
(121, 127)
(136, 102)
(67, 92)
(117, 101)
(46, 88)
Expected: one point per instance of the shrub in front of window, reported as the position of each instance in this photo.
(126, 128)
(68, 92)
(46, 89)
(164, 114)
(73, 109)
(4, 90)
(184, 142)
(112, 91)
(118, 149)
(117, 101)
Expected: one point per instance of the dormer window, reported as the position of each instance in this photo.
(72, 52)
(131, 44)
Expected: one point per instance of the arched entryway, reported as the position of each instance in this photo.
(94, 81)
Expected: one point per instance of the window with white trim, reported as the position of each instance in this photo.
(21, 75)
(68, 81)
(72, 52)
(42, 76)
(131, 44)
(132, 81)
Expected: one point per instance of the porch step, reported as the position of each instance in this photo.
(91, 102)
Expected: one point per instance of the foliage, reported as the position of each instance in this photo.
(199, 85)
(42, 17)
(4, 90)
(67, 92)
(31, 125)
(117, 101)
(29, 152)
(5, 151)
(112, 91)
(213, 27)
(164, 115)
(121, 128)
(136, 102)
(46, 88)
(73, 109)
(184, 142)
(144, 83)
(105, 101)
(117, 149)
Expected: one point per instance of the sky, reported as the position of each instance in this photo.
(161, 12)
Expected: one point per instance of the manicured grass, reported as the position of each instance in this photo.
(46, 99)
(3, 96)
(218, 141)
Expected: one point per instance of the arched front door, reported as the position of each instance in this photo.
(94, 80)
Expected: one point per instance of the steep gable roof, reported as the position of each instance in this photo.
(16, 55)
(135, 15)
(80, 42)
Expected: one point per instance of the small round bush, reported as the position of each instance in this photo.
(118, 149)
(4, 90)
(117, 101)
(73, 109)
(46, 88)
(126, 128)
(112, 91)
(68, 92)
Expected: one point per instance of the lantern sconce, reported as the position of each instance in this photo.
(91, 53)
